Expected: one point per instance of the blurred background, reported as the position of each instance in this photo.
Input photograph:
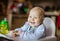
(16, 11)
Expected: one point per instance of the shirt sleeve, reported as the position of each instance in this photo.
(30, 35)
(23, 28)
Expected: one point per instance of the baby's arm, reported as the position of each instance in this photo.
(17, 31)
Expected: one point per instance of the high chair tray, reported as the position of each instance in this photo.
(5, 37)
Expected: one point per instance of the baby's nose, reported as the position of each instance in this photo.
(32, 19)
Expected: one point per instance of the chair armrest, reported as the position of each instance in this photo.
(49, 38)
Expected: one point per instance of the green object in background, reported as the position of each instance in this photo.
(4, 26)
(25, 10)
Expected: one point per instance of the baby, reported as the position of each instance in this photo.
(33, 28)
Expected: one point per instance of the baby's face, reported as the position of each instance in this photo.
(35, 18)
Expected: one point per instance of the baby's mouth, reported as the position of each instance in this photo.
(32, 22)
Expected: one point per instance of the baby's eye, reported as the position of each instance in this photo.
(30, 16)
(36, 17)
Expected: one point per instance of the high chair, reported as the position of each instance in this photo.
(50, 30)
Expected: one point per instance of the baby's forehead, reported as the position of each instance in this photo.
(35, 14)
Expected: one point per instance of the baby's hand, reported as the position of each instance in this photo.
(16, 33)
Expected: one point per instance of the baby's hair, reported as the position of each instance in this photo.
(39, 9)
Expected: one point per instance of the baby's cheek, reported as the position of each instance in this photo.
(38, 21)
(28, 19)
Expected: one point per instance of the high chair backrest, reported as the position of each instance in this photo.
(50, 26)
